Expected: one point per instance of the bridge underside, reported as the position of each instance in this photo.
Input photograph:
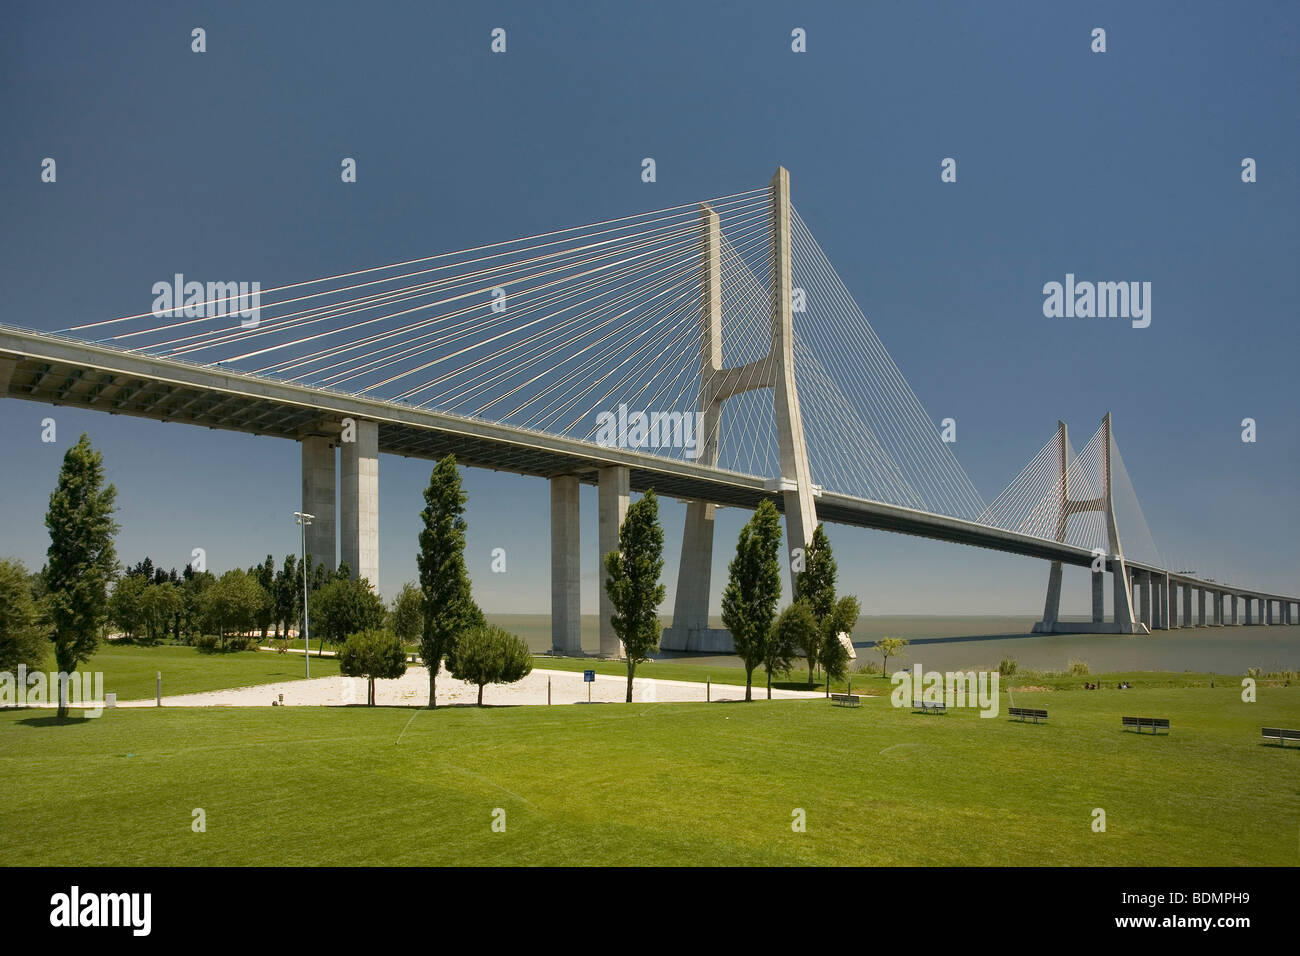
(51, 370)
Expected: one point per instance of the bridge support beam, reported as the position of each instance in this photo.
(1123, 597)
(1052, 607)
(800, 510)
(1098, 596)
(359, 504)
(690, 630)
(1268, 611)
(1171, 602)
(1217, 598)
(1145, 606)
(566, 579)
(615, 487)
(1161, 592)
(1236, 619)
(1187, 606)
(1200, 607)
(318, 498)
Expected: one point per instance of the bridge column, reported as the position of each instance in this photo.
(1162, 602)
(1123, 597)
(1171, 602)
(1187, 606)
(615, 485)
(566, 580)
(1268, 611)
(1098, 597)
(1218, 608)
(1146, 606)
(1200, 607)
(800, 509)
(318, 498)
(1235, 618)
(359, 505)
(1246, 598)
(1052, 606)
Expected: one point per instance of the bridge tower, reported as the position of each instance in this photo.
(690, 628)
(1104, 503)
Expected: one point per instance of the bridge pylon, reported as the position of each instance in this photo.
(1124, 620)
(690, 628)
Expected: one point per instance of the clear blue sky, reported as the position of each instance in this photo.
(1115, 166)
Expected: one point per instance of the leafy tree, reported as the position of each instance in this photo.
(889, 647)
(344, 607)
(23, 637)
(81, 557)
(449, 606)
(815, 586)
(633, 583)
(753, 589)
(834, 655)
(287, 594)
(489, 655)
(406, 617)
(372, 654)
(126, 605)
(264, 574)
(162, 605)
(232, 604)
(193, 586)
(790, 632)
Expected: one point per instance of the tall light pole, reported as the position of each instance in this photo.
(303, 519)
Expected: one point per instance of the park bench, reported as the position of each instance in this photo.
(1027, 712)
(1280, 735)
(929, 708)
(845, 700)
(1155, 723)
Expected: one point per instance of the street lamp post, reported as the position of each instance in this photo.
(303, 519)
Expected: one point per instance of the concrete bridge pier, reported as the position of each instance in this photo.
(613, 495)
(1144, 580)
(1268, 611)
(1246, 598)
(1098, 597)
(1200, 607)
(566, 580)
(1187, 606)
(1161, 595)
(318, 497)
(359, 505)
(1217, 598)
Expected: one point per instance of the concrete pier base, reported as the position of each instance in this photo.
(566, 580)
(1098, 596)
(359, 503)
(318, 498)
(613, 501)
(1052, 606)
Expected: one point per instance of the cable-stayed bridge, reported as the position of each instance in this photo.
(709, 351)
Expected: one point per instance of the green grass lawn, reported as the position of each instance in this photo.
(130, 671)
(647, 784)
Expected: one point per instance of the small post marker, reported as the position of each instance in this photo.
(158, 688)
(589, 677)
(548, 692)
(708, 691)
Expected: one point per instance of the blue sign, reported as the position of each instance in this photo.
(588, 676)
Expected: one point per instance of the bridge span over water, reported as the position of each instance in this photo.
(725, 314)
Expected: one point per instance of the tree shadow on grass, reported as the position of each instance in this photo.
(55, 721)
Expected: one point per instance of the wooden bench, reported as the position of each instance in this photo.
(1280, 735)
(1155, 723)
(1026, 712)
(845, 700)
(928, 708)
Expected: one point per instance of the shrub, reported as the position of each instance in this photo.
(372, 654)
(205, 642)
(489, 655)
(1007, 666)
(1079, 668)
